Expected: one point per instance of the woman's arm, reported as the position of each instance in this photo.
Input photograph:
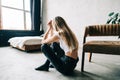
(49, 36)
(46, 34)
(49, 31)
(53, 38)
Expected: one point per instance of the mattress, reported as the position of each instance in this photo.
(26, 43)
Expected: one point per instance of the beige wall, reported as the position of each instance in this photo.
(0, 20)
(79, 13)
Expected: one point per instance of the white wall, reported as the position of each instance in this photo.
(79, 13)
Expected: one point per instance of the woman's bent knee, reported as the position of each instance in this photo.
(44, 46)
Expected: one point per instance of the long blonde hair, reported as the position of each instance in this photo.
(66, 33)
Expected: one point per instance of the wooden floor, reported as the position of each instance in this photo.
(19, 65)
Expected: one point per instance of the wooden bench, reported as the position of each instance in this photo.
(104, 47)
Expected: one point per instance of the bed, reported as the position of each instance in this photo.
(26, 43)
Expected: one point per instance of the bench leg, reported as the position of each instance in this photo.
(90, 56)
(82, 63)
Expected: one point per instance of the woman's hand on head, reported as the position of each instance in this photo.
(50, 24)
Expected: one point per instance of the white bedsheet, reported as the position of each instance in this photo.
(21, 41)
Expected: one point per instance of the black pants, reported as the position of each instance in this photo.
(56, 56)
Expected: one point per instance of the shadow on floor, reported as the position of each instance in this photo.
(78, 75)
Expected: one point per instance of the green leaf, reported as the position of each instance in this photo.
(110, 14)
(116, 15)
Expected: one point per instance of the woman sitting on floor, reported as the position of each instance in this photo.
(60, 46)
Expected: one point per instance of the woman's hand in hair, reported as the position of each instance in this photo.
(50, 24)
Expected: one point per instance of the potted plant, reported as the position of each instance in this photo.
(114, 18)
